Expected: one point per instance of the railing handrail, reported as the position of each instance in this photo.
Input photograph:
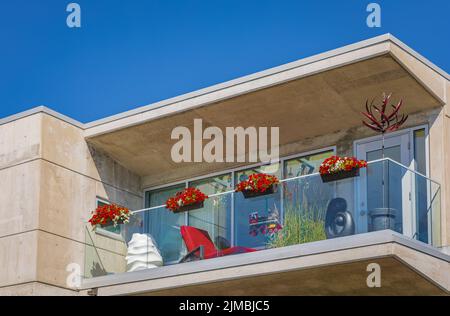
(301, 177)
(407, 168)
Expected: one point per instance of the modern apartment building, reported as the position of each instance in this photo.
(54, 171)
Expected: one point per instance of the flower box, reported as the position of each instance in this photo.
(111, 223)
(258, 185)
(337, 168)
(248, 194)
(190, 207)
(187, 200)
(328, 177)
(109, 215)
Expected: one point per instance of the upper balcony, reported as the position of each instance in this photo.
(316, 103)
(304, 209)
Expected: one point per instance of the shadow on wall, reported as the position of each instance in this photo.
(120, 186)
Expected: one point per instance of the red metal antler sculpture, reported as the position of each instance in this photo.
(384, 122)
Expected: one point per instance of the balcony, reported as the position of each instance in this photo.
(304, 209)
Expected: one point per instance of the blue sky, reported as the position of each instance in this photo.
(133, 53)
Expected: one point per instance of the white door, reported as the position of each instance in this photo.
(385, 184)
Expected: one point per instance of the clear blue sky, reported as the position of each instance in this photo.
(133, 53)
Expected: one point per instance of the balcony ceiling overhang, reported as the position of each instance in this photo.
(305, 99)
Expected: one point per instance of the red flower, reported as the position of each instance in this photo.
(109, 213)
(335, 164)
(259, 182)
(186, 197)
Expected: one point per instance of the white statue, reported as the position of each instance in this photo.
(142, 253)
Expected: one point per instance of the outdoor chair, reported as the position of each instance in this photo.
(200, 245)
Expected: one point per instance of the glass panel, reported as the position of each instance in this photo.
(383, 178)
(215, 216)
(305, 207)
(252, 216)
(434, 215)
(302, 210)
(93, 266)
(305, 165)
(422, 194)
(164, 225)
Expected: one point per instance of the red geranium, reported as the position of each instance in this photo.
(259, 182)
(109, 214)
(186, 197)
(335, 164)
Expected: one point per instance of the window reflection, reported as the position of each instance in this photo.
(215, 216)
(163, 225)
(305, 164)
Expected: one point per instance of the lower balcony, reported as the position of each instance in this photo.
(346, 221)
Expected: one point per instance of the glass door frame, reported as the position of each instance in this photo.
(405, 138)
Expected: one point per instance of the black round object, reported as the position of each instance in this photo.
(338, 221)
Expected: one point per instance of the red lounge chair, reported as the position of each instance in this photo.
(200, 246)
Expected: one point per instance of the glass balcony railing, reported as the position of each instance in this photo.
(386, 195)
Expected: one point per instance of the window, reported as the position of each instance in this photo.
(305, 164)
(164, 226)
(273, 169)
(215, 216)
(224, 217)
(420, 151)
(419, 138)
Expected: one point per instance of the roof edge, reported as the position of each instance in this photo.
(271, 71)
(419, 57)
(227, 84)
(41, 109)
(244, 79)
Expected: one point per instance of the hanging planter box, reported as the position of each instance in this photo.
(110, 223)
(188, 194)
(248, 194)
(103, 212)
(190, 207)
(340, 175)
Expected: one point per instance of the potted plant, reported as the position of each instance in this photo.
(257, 185)
(337, 168)
(300, 226)
(187, 200)
(108, 215)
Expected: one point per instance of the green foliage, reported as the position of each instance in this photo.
(300, 226)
